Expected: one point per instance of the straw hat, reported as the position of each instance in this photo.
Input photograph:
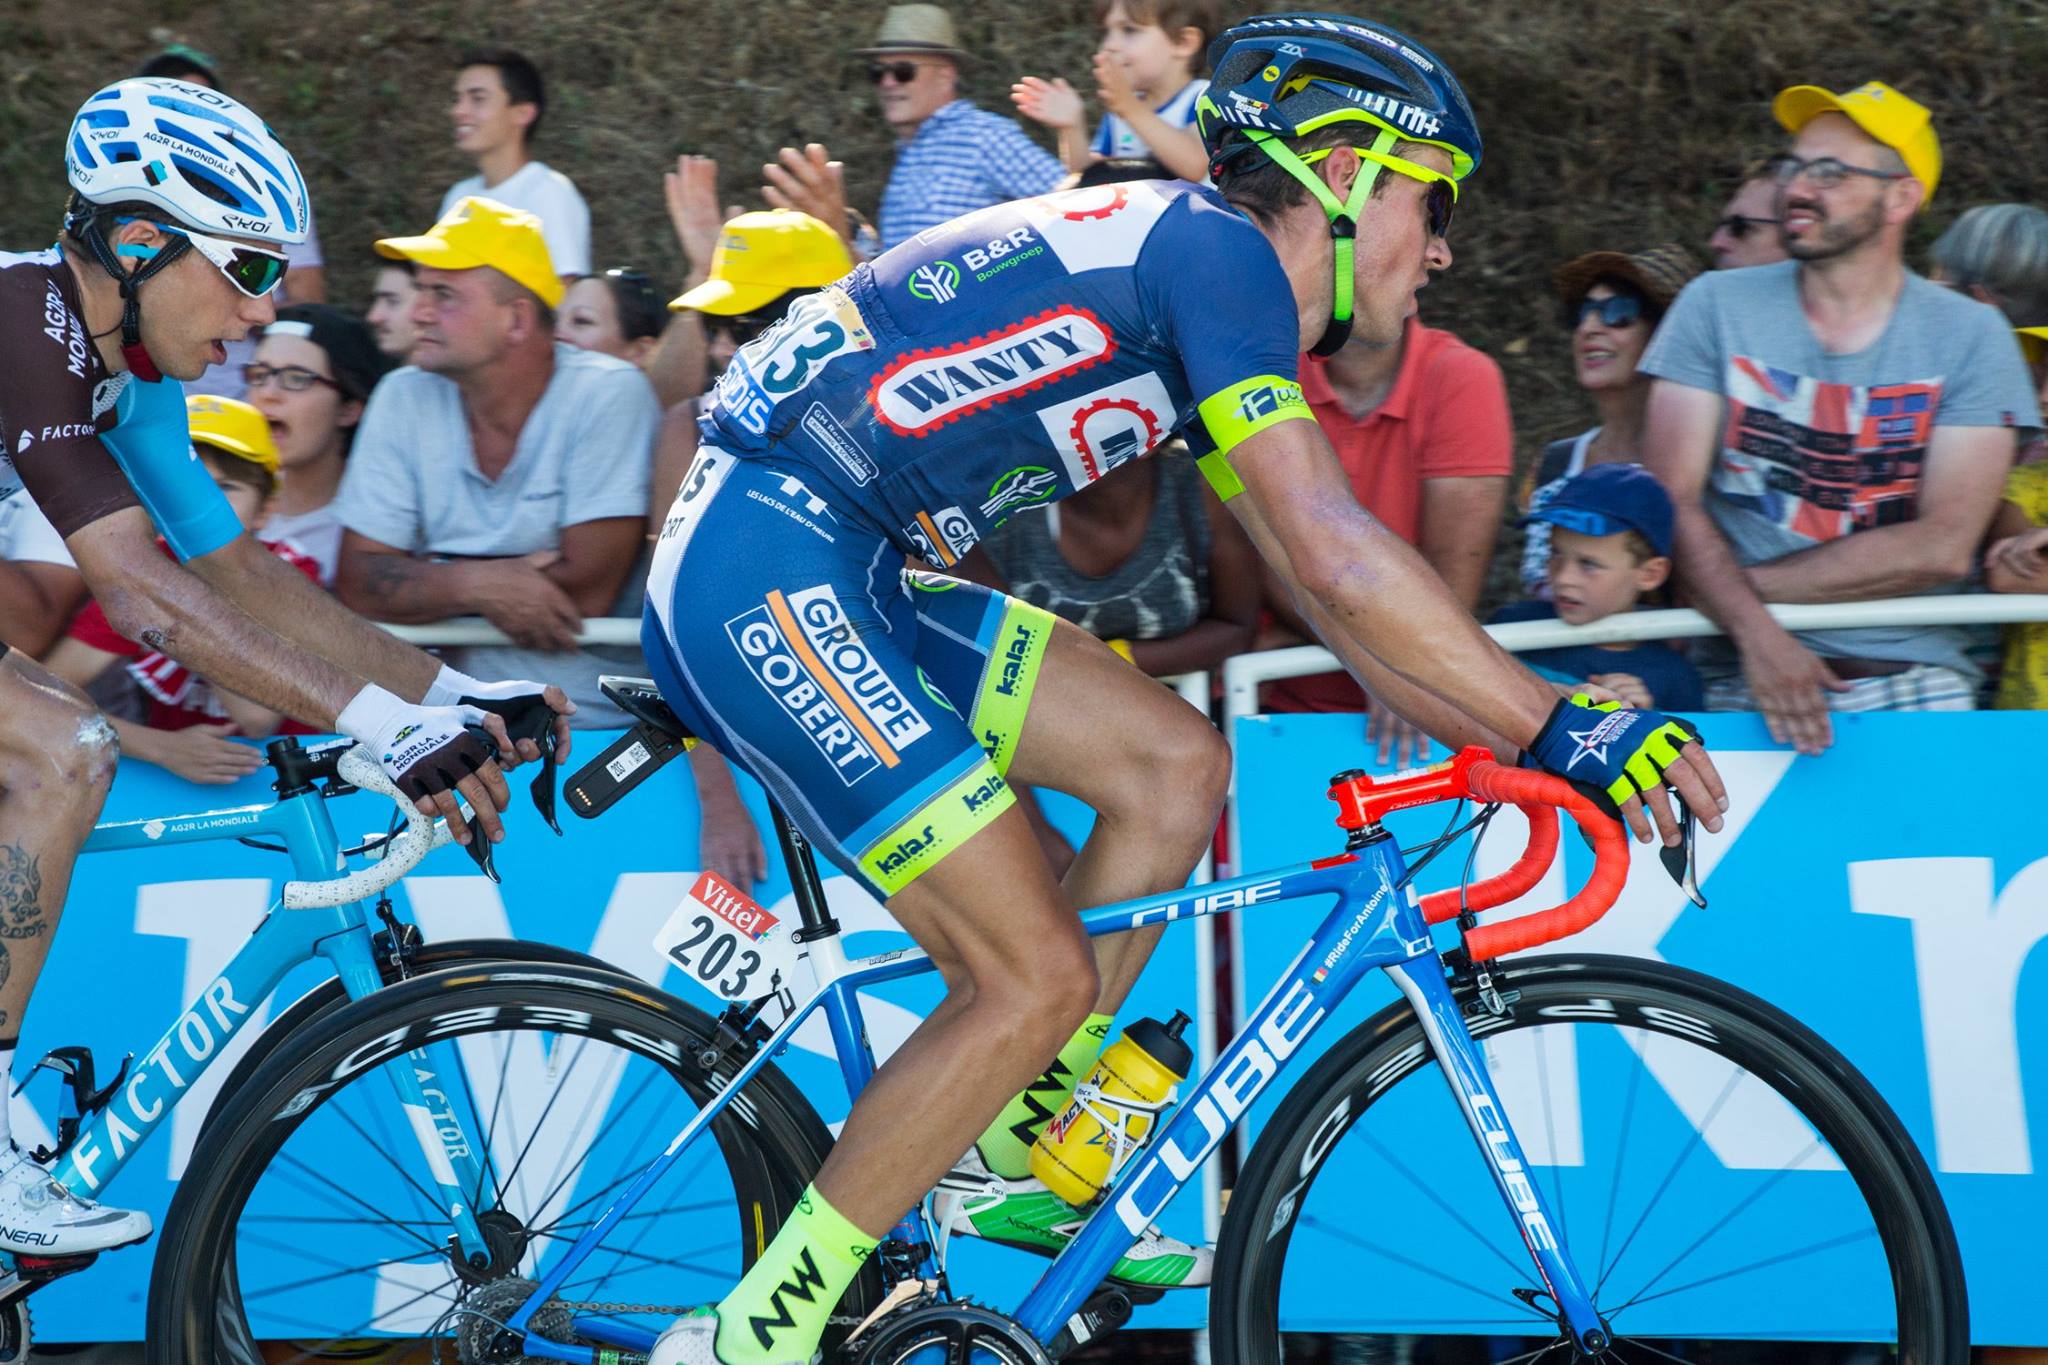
(926, 29)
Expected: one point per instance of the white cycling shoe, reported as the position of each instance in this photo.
(39, 1217)
(693, 1340)
(974, 1201)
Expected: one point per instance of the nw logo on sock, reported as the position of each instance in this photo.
(804, 1286)
(1055, 1080)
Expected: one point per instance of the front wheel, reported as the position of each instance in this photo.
(1714, 1169)
(309, 1217)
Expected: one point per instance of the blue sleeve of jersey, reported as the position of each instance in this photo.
(1227, 303)
(153, 446)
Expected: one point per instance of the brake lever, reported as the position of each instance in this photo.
(530, 717)
(1681, 861)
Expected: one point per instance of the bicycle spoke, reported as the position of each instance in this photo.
(569, 1157)
(542, 1122)
(1685, 1152)
(1538, 1037)
(1345, 1235)
(639, 1144)
(1640, 1344)
(1450, 1211)
(1748, 1201)
(1531, 1357)
(289, 1162)
(335, 1269)
(498, 1103)
(1628, 1118)
(486, 1164)
(387, 1148)
(619, 1183)
(1812, 1249)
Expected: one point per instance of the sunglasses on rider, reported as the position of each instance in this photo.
(1439, 201)
(1739, 226)
(1616, 310)
(251, 269)
(903, 73)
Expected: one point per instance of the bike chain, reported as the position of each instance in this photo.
(673, 1310)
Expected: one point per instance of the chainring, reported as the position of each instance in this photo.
(958, 1333)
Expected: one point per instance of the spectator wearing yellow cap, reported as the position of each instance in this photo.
(1834, 428)
(186, 722)
(762, 263)
(502, 473)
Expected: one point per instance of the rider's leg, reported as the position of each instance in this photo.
(1021, 979)
(57, 758)
(1154, 770)
(1151, 767)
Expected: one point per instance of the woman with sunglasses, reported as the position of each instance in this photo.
(1612, 303)
(311, 374)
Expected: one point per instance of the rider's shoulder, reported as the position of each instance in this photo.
(34, 272)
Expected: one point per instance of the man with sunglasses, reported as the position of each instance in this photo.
(181, 202)
(981, 370)
(1834, 428)
(1747, 233)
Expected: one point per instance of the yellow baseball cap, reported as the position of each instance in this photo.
(233, 426)
(1898, 121)
(483, 232)
(763, 255)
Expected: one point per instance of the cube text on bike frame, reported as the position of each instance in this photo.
(1375, 922)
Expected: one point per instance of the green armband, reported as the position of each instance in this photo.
(1240, 412)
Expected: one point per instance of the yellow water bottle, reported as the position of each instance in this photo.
(1111, 1112)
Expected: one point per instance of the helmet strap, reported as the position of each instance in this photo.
(1343, 215)
(95, 238)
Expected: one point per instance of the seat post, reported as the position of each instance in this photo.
(804, 883)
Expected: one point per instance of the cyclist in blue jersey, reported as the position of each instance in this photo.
(986, 368)
(183, 199)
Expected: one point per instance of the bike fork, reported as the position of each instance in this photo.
(1464, 1067)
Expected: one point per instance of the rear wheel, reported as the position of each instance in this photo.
(1713, 1168)
(309, 1216)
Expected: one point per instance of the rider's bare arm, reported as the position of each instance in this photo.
(168, 607)
(1374, 600)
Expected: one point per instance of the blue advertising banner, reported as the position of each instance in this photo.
(146, 930)
(1888, 894)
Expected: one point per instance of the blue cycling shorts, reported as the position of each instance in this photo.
(880, 707)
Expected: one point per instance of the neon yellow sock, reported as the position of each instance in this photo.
(1006, 1146)
(778, 1311)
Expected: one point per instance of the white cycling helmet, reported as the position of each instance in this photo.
(200, 156)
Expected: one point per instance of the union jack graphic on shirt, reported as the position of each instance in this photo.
(1824, 460)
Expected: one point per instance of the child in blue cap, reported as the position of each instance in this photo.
(1610, 546)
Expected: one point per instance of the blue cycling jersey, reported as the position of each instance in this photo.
(1009, 357)
(84, 442)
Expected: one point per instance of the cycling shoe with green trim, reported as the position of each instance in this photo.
(974, 1201)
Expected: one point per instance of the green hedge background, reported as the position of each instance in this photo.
(1607, 125)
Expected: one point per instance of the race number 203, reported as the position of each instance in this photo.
(726, 943)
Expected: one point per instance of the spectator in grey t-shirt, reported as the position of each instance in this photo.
(1834, 429)
(502, 473)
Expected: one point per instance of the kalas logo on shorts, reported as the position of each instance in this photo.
(807, 654)
(923, 390)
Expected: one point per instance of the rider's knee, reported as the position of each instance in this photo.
(1186, 775)
(64, 750)
(1063, 984)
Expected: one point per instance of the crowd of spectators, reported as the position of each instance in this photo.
(499, 429)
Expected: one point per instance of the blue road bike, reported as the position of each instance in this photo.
(606, 1155)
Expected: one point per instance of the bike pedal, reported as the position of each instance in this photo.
(43, 1269)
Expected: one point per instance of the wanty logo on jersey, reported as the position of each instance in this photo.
(923, 390)
(805, 652)
(937, 282)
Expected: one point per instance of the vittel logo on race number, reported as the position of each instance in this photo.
(1099, 431)
(922, 391)
(732, 905)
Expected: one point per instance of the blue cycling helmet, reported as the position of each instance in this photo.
(1281, 76)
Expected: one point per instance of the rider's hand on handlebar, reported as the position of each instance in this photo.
(451, 688)
(1624, 758)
